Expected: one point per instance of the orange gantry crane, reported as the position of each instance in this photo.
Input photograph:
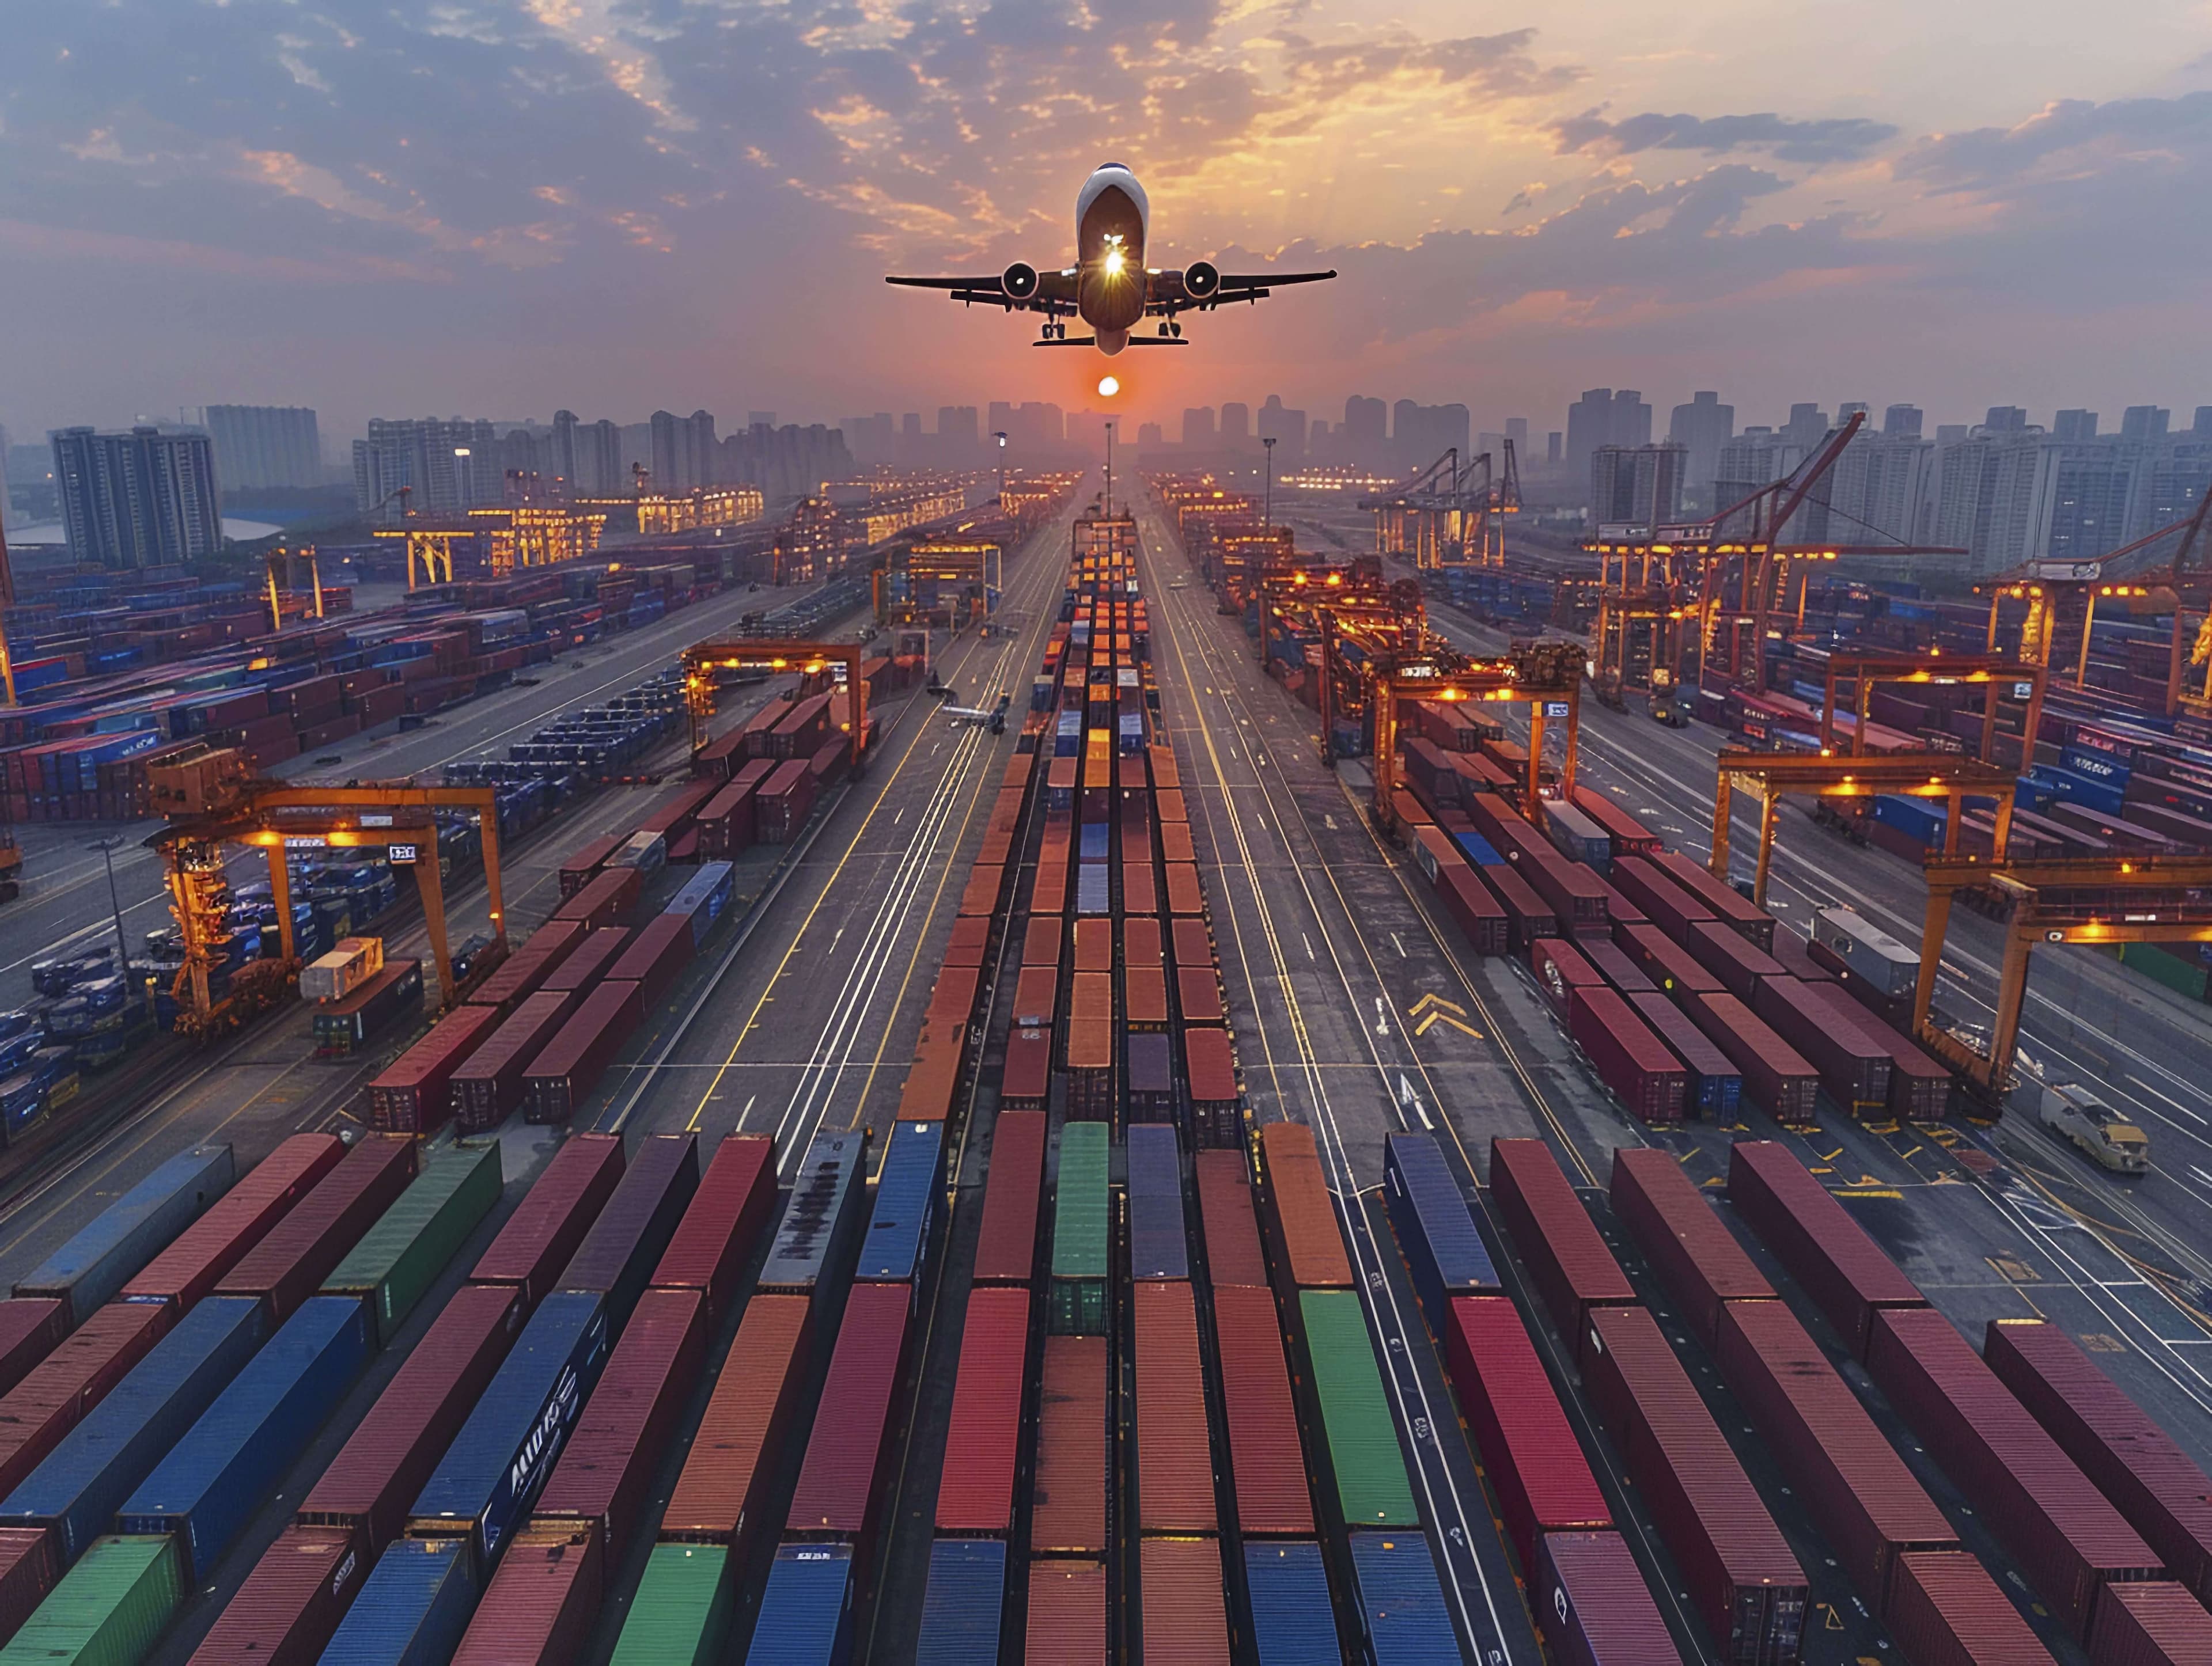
(1448, 516)
(703, 659)
(1544, 676)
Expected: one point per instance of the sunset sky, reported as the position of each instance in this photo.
(500, 207)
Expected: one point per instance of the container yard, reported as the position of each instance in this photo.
(1109, 1186)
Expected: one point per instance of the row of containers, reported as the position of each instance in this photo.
(1682, 993)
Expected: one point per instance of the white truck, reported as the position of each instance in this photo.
(2075, 1113)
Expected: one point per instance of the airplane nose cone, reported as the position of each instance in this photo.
(1111, 342)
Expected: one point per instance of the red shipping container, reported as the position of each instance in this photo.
(413, 1096)
(1670, 908)
(1300, 1213)
(588, 964)
(1266, 1462)
(54, 1395)
(1572, 1268)
(1560, 970)
(1067, 1614)
(1629, 1058)
(1615, 967)
(29, 1570)
(2067, 1537)
(1738, 962)
(528, 966)
(2158, 1487)
(1592, 1606)
(1068, 1514)
(784, 802)
(1217, 1106)
(1013, 1191)
(606, 900)
(1026, 1083)
(1854, 1069)
(579, 870)
(969, 944)
(290, 1604)
(1669, 965)
(542, 1603)
(1185, 1620)
(615, 1449)
(1528, 915)
(486, 1087)
(1198, 992)
(2153, 1622)
(1175, 1454)
(986, 886)
(1232, 1233)
(542, 1234)
(30, 1328)
(976, 1494)
(1192, 943)
(839, 1484)
(1473, 909)
(1185, 896)
(1543, 1482)
(1696, 1256)
(384, 1464)
(560, 1080)
(299, 1252)
(1575, 894)
(1945, 1610)
(1846, 1273)
(1777, 1077)
(723, 1221)
(201, 1254)
(730, 1465)
(1742, 1576)
(1718, 897)
(660, 951)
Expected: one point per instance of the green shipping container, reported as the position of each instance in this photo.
(401, 1256)
(109, 1610)
(2162, 965)
(1079, 1233)
(681, 1615)
(1362, 1441)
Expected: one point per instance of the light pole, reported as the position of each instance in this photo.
(1267, 501)
(108, 848)
(1000, 435)
(1110, 468)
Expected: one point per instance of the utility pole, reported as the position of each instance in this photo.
(108, 847)
(1267, 501)
(1000, 435)
(1109, 467)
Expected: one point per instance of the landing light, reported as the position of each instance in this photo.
(1112, 262)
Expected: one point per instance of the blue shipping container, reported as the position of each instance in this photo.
(822, 1216)
(1092, 892)
(1923, 822)
(1436, 1229)
(2101, 796)
(806, 1612)
(217, 1477)
(1292, 1623)
(76, 1491)
(627, 1240)
(908, 1186)
(705, 898)
(87, 1271)
(960, 1610)
(1401, 1602)
(1480, 850)
(412, 1611)
(484, 1484)
(1092, 845)
(1159, 1244)
(2097, 766)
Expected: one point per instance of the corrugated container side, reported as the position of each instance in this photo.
(633, 1230)
(721, 1492)
(541, 1236)
(1068, 1495)
(1079, 1232)
(1233, 1232)
(908, 1186)
(541, 1604)
(1434, 1227)
(29, 1329)
(1573, 1269)
(29, 1570)
(681, 1614)
(1067, 1614)
(976, 1494)
(400, 1257)
(1402, 1602)
(1777, 1078)
(1184, 1615)
(1591, 1603)
(725, 1221)
(211, 1245)
(291, 1602)
(376, 1475)
(1300, 1212)
(1642, 1074)
(1293, 1622)
(962, 1607)
(828, 1201)
(1543, 1482)
(840, 1483)
(111, 1606)
(1175, 1452)
(806, 1613)
(1689, 1246)
(2155, 1622)
(1945, 1610)
(1365, 1461)
(1267, 1464)
(296, 1254)
(1159, 1244)
(1846, 1272)
(412, 1609)
(91, 1269)
(56, 1394)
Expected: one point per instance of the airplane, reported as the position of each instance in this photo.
(976, 717)
(1109, 288)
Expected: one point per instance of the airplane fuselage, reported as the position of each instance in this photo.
(1111, 219)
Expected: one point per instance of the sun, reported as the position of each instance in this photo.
(1108, 387)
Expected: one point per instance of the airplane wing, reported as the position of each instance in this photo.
(1201, 288)
(1054, 296)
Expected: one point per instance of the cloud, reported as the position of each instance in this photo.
(1834, 139)
(2071, 139)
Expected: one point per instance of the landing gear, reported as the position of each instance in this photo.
(1051, 331)
(1170, 330)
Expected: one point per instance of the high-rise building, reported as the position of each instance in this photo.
(1872, 494)
(603, 446)
(1605, 416)
(702, 451)
(2089, 505)
(1149, 435)
(2006, 418)
(1639, 486)
(1287, 427)
(1236, 426)
(137, 499)
(564, 458)
(959, 435)
(1901, 423)
(437, 461)
(2202, 428)
(2143, 425)
(1365, 436)
(759, 419)
(1516, 430)
(1807, 427)
(1198, 428)
(671, 447)
(1554, 448)
(2074, 428)
(260, 446)
(1701, 428)
(1996, 494)
(1420, 433)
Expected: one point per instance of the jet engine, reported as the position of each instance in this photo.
(1201, 279)
(1019, 280)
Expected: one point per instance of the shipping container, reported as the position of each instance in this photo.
(203, 1251)
(542, 1603)
(75, 1491)
(1217, 1102)
(561, 1080)
(88, 1271)
(1608, 960)
(1293, 1622)
(1231, 1230)
(806, 1613)
(961, 1606)
(29, 1329)
(1592, 1606)
(483, 1487)
(1718, 897)
(290, 1604)
(1013, 1195)
(528, 966)
(1078, 1306)
(1159, 1244)
(1740, 964)
(1266, 1462)
(1777, 1078)
(412, 1609)
(346, 1026)
(815, 1240)
(681, 1614)
(1068, 1510)
(29, 1570)
(296, 1255)
(2155, 1622)
(1712, 1085)
(1671, 907)
(1567, 1259)
(974, 1495)
(1067, 1614)
(601, 1479)
(630, 1234)
(588, 964)
(1846, 1272)
(1149, 1088)
(1560, 969)
(1888, 967)
(111, 1608)
(723, 1222)
(1664, 961)
(1945, 1610)
(1401, 1601)
(1174, 1467)
(908, 1186)
(1854, 1068)
(1740, 1572)
(55, 1394)
(398, 1259)
(722, 1494)
(535, 1245)
(486, 1087)
(1183, 1618)
(2068, 1539)
(2159, 1488)
(413, 1095)
(367, 1487)
(1368, 1467)
(1435, 1229)
(1696, 1257)
(1300, 1210)
(1643, 1075)
(1543, 1482)
(840, 1483)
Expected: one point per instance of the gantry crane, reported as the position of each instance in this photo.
(702, 659)
(1453, 513)
(284, 559)
(7, 601)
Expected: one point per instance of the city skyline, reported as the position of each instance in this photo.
(488, 206)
